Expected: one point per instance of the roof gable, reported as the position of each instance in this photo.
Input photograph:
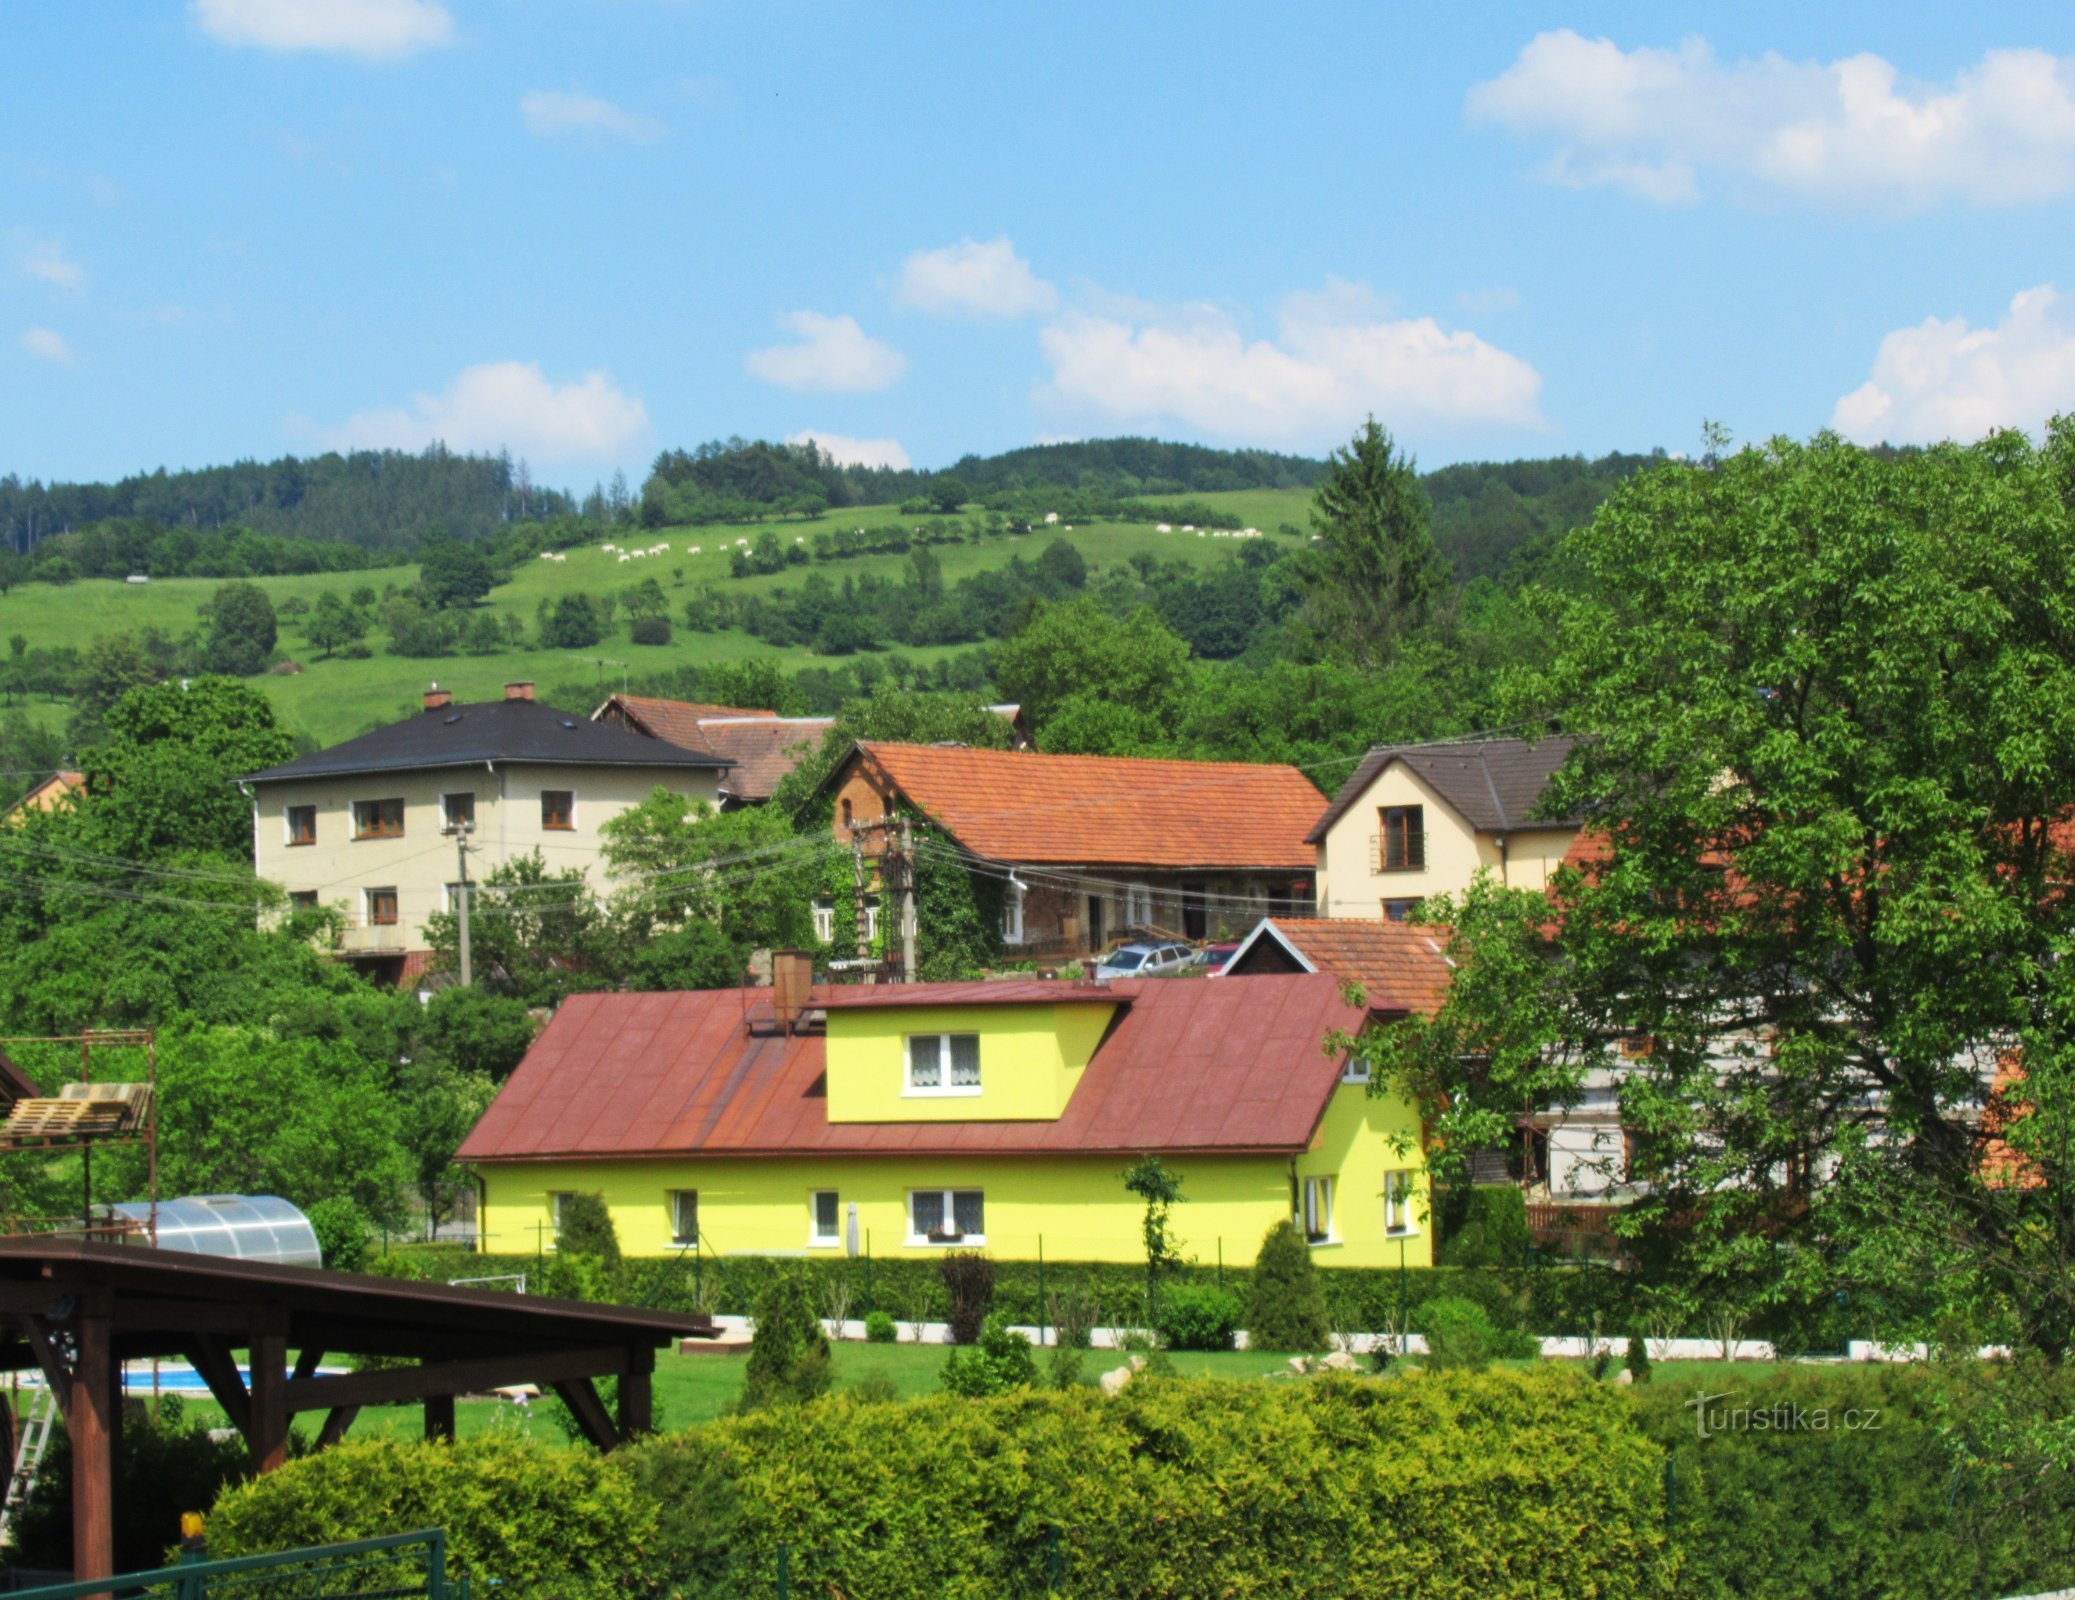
(1021, 806)
(1400, 967)
(1496, 785)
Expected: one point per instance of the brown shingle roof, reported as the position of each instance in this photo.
(1020, 806)
(1497, 784)
(675, 721)
(1400, 967)
(764, 750)
(1186, 1067)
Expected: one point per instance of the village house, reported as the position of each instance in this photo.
(1422, 819)
(906, 1119)
(373, 826)
(1093, 848)
(62, 788)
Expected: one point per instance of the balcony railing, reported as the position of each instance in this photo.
(373, 936)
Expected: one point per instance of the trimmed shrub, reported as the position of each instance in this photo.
(880, 1328)
(527, 1517)
(969, 1283)
(789, 1353)
(1449, 1487)
(586, 1229)
(1637, 1361)
(1000, 1362)
(1460, 1334)
(1284, 1308)
(1193, 1318)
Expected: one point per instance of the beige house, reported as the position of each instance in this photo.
(1422, 819)
(375, 826)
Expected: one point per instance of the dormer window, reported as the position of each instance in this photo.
(943, 1063)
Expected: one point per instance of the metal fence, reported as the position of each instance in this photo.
(398, 1566)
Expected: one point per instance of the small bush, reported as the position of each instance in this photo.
(1638, 1359)
(1285, 1310)
(969, 1281)
(586, 1229)
(343, 1232)
(1484, 1226)
(1460, 1334)
(650, 630)
(789, 1353)
(1000, 1362)
(880, 1328)
(1193, 1318)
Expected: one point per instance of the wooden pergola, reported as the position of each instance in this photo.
(78, 1310)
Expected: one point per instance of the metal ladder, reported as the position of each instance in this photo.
(28, 1458)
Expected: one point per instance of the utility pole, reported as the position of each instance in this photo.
(862, 920)
(461, 831)
(907, 860)
(896, 877)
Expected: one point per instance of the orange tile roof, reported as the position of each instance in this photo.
(1400, 967)
(1020, 806)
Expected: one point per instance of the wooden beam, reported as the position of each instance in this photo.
(454, 1377)
(439, 1417)
(18, 1298)
(307, 1360)
(268, 1434)
(637, 1394)
(90, 1424)
(336, 1422)
(581, 1396)
(211, 1357)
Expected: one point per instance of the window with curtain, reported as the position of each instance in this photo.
(943, 1063)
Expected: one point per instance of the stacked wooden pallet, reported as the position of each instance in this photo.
(80, 1111)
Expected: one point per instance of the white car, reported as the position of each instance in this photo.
(1144, 960)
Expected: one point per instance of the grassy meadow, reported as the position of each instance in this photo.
(334, 699)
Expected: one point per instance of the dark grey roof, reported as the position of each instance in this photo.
(1497, 784)
(491, 730)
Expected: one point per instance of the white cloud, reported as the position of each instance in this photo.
(1947, 380)
(552, 111)
(47, 344)
(1337, 354)
(851, 452)
(1486, 302)
(506, 405)
(381, 30)
(45, 261)
(1654, 121)
(834, 355)
(973, 279)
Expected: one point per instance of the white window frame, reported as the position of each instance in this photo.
(823, 909)
(871, 918)
(950, 1199)
(446, 817)
(1012, 913)
(673, 1201)
(943, 1088)
(1400, 1187)
(288, 837)
(1138, 905)
(1317, 1195)
(575, 811)
(816, 1239)
(1354, 1070)
(556, 1197)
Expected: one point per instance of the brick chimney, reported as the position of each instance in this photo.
(518, 691)
(792, 982)
(437, 698)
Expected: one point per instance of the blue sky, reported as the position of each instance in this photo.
(591, 229)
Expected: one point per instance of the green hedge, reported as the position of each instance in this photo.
(1549, 1300)
(1444, 1486)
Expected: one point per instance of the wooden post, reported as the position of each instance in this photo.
(637, 1394)
(91, 1422)
(439, 1417)
(267, 1437)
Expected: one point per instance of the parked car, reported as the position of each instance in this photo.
(1144, 959)
(1216, 955)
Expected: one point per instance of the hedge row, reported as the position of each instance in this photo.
(1437, 1485)
(1867, 1481)
(1551, 1300)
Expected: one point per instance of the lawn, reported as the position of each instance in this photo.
(334, 699)
(692, 1389)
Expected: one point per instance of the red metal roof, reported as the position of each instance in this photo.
(999, 992)
(1021, 806)
(1187, 1067)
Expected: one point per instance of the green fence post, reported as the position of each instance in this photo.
(784, 1570)
(870, 1305)
(1041, 1292)
(1053, 1565)
(436, 1560)
(1404, 1326)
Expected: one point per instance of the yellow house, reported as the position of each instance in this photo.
(1423, 819)
(375, 825)
(905, 1120)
